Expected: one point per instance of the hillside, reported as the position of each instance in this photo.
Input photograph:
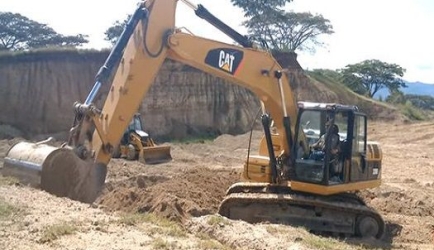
(328, 89)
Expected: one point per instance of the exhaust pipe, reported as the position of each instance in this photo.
(58, 171)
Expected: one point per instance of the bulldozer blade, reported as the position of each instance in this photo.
(156, 154)
(55, 170)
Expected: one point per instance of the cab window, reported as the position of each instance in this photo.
(359, 136)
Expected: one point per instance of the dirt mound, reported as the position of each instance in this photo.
(192, 192)
(409, 202)
(192, 184)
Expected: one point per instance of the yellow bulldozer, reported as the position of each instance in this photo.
(287, 181)
(136, 144)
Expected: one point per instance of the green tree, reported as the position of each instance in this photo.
(369, 76)
(280, 30)
(253, 8)
(18, 32)
(289, 31)
(114, 32)
(267, 22)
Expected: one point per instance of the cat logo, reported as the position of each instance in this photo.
(227, 60)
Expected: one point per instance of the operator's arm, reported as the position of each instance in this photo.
(318, 145)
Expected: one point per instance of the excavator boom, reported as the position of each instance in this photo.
(146, 42)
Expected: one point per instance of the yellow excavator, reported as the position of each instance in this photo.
(286, 182)
(136, 144)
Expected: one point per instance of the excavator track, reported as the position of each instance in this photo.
(341, 214)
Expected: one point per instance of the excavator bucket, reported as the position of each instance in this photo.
(55, 170)
(156, 154)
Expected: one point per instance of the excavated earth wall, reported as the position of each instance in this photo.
(38, 89)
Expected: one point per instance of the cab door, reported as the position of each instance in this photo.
(358, 171)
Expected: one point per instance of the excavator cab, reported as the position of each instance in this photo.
(348, 158)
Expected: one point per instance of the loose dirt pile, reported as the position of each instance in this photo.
(192, 184)
(193, 192)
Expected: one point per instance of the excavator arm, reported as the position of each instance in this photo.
(78, 169)
(153, 40)
(138, 61)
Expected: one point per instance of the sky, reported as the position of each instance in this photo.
(392, 31)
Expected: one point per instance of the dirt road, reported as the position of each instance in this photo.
(177, 202)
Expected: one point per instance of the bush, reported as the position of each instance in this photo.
(9, 132)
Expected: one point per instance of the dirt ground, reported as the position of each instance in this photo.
(183, 196)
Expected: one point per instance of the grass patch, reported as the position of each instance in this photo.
(132, 219)
(212, 244)
(8, 181)
(207, 242)
(160, 243)
(61, 53)
(199, 137)
(194, 140)
(203, 236)
(217, 220)
(8, 210)
(9, 132)
(272, 229)
(54, 232)
(172, 230)
(102, 226)
(167, 226)
(322, 243)
(412, 112)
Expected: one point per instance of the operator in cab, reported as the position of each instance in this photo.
(318, 151)
(318, 148)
